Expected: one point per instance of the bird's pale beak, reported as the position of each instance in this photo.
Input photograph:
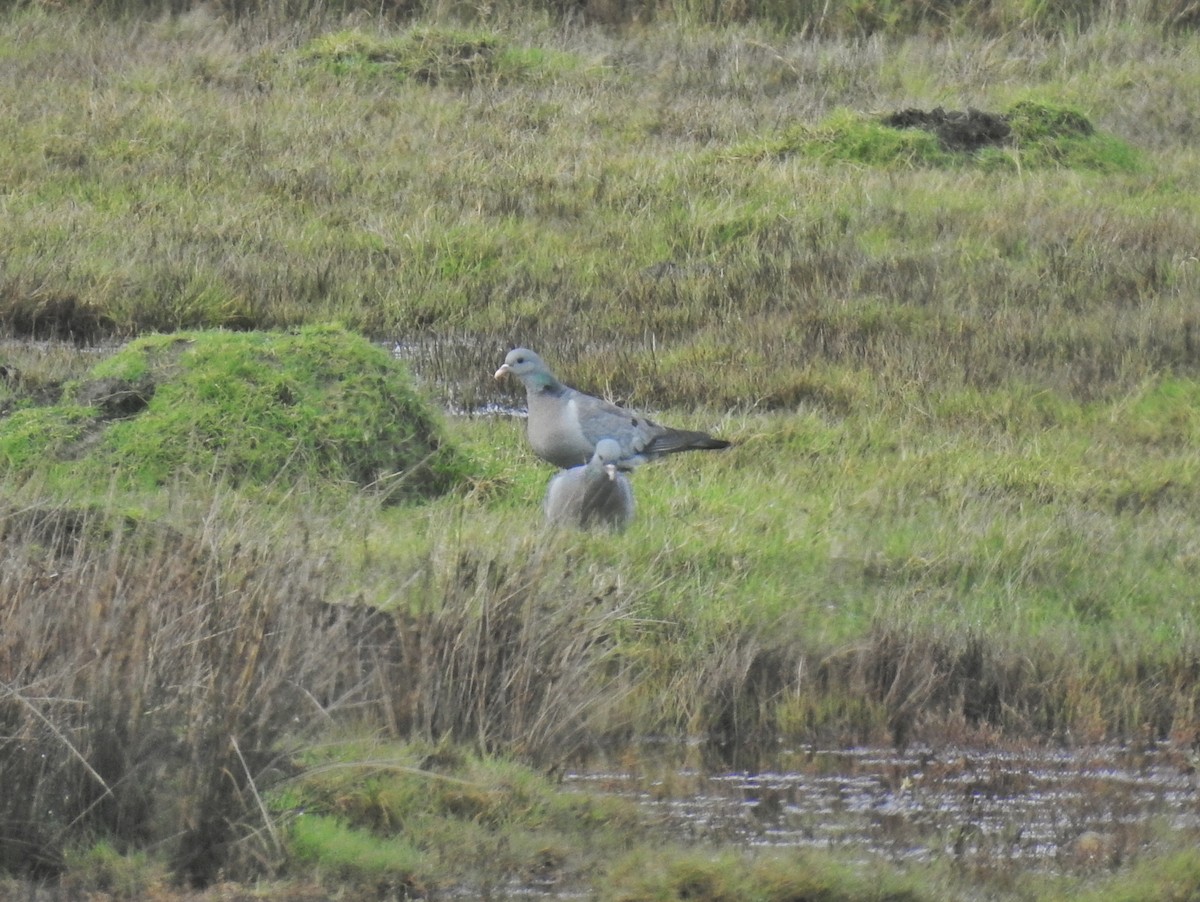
(611, 470)
(504, 370)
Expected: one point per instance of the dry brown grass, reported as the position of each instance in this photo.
(507, 652)
(157, 681)
(152, 683)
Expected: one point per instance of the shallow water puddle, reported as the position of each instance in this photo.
(1038, 809)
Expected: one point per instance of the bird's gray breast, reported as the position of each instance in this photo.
(555, 432)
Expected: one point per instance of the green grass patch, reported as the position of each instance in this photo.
(1035, 135)
(345, 853)
(101, 868)
(1051, 135)
(767, 878)
(318, 405)
(30, 437)
(476, 820)
(432, 55)
(849, 137)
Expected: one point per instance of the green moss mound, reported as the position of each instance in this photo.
(319, 405)
(431, 56)
(1029, 135)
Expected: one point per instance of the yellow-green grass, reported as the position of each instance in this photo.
(647, 203)
(1063, 547)
(307, 410)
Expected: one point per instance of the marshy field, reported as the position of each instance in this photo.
(280, 617)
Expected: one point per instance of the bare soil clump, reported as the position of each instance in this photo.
(956, 130)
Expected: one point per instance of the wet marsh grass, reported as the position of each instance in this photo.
(741, 622)
(962, 500)
(602, 196)
(150, 680)
(839, 579)
(163, 675)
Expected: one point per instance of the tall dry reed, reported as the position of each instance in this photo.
(152, 682)
(157, 682)
(505, 650)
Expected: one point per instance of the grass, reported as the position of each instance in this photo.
(474, 820)
(345, 853)
(962, 388)
(318, 405)
(803, 250)
(770, 879)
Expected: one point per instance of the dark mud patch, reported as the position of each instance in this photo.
(116, 398)
(56, 318)
(956, 130)
(965, 131)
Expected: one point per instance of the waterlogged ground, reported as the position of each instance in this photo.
(1038, 809)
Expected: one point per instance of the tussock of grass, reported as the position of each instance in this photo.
(767, 879)
(851, 138)
(479, 821)
(101, 868)
(318, 404)
(432, 56)
(1046, 134)
(1040, 135)
(505, 650)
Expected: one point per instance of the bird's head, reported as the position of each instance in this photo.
(608, 453)
(523, 364)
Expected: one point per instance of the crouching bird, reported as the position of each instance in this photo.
(594, 494)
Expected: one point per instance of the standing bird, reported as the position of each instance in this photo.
(565, 424)
(595, 494)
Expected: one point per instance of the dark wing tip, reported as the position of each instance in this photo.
(675, 440)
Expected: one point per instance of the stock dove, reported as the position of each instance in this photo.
(565, 425)
(594, 494)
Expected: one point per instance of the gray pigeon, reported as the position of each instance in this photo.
(595, 494)
(565, 424)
